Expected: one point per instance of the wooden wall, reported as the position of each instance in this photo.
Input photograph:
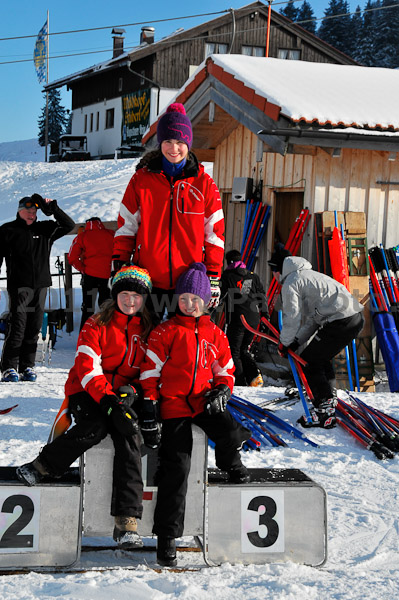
(345, 183)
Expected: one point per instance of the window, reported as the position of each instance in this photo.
(91, 121)
(142, 80)
(253, 50)
(214, 48)
(120, 84)
(287, 54)
(109, 118)
(98, 122)
(85, 123)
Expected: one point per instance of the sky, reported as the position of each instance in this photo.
(362, 491)
(21, 98)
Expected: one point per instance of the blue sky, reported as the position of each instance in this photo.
(21, 98)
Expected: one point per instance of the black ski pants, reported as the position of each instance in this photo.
(91, 288)
(92, 426)
(239, 339)
(327, 342)
(175, 461)
(26, 306)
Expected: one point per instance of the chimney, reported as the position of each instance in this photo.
(118, 37)
(147, 35)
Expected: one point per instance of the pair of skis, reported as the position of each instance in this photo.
(255, 223)
(292, 244)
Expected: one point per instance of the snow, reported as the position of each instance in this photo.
(326, 93)
(362, 492)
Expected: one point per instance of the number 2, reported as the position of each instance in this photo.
(11, 537)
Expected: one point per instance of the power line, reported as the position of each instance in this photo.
(22, 37)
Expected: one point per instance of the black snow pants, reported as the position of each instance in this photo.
(239, 339)
(327, 342)
(92, 426)
(26, 307)
(175, 461)
(91, 288)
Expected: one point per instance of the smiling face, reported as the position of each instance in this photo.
(174, 151)
(28, 214)
(129, 302)
(191, 305)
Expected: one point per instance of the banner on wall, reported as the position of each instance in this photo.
(135, 116)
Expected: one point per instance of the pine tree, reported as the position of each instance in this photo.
(290, 11)
(357, 27)
(57, 118)
(305, 17)
(364, 52)
(386, 43)
(336, 31)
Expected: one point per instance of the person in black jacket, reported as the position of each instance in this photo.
(25, 246)
(243, 294)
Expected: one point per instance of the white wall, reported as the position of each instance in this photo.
(105, 141)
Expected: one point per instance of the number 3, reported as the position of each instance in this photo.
(264, 519)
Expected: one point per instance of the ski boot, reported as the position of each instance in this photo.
(166, 551)
(10, 375)
(257, 381)
(28, 374)
(322, 416)
(239, 475)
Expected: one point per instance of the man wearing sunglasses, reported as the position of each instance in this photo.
(25, 245)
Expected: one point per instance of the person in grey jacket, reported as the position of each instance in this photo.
(319, 311)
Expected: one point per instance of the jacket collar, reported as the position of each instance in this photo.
(192, 322)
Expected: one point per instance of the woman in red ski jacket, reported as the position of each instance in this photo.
(100, 391)
(171, 214)
(188, 370)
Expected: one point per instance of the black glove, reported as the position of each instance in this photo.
(123, 417)
(283, 350)
(215, 292)
(116, 265)
(150, 427)
(130, 394)
(47, 205)
(216, 399)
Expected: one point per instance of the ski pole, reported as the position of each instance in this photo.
(296, 377)
(258, 422)
(279, 422)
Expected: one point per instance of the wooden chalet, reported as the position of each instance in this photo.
(113, 102)
(320, 136)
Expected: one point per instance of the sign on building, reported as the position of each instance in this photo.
(135, 116)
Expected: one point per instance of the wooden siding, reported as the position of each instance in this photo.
(345, 183)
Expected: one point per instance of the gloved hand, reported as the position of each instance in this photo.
(215, 291)
(283, 350)
(129, 394)
(150, 427)
(47, 205)
(123, 417)
(216, 399)
(116, 265)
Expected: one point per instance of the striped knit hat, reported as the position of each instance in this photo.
(133, 279)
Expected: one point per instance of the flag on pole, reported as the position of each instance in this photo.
(40, 54)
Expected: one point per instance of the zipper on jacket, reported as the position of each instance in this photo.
(134, 342)
(195, 365)
(182, 199)
(124, 356)
(170, 234)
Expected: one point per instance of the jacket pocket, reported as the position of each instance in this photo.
(189, 199)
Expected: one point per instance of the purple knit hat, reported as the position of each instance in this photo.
(175, 125)
(195, 281)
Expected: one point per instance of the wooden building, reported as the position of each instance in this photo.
(113, 102)
(320, 136)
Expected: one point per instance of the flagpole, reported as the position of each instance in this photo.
(47, 65)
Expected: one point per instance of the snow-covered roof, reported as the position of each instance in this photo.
(320, 93)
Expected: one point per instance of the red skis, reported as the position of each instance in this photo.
(292, 244)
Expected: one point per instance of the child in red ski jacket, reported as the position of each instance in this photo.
(100, 391)
(188, 369)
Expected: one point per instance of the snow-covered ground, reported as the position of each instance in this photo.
(362, 491)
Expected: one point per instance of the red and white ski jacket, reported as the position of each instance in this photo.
(107, 356)
(185, 358)
(91, 250)
(169, 224)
